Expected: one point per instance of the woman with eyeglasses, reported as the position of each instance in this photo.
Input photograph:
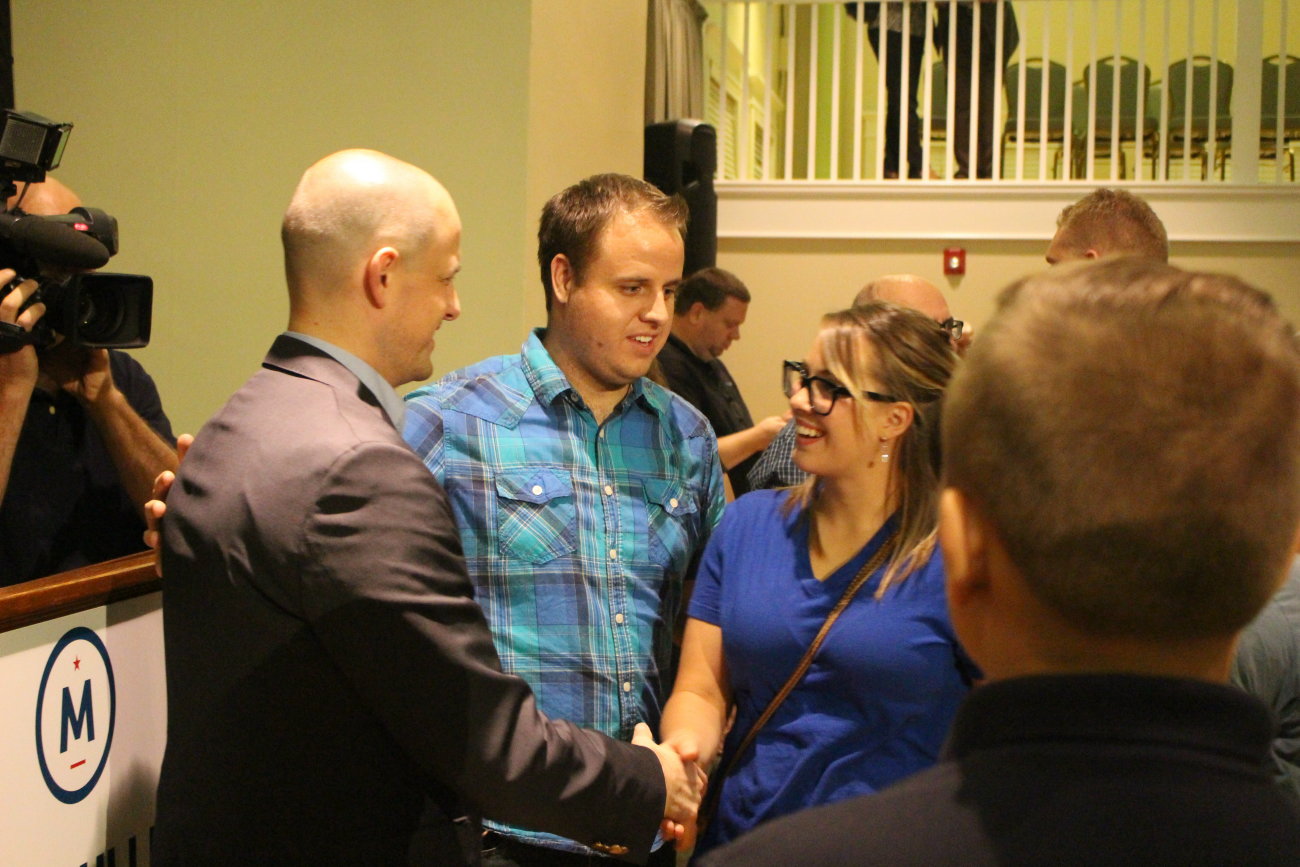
(821, 720)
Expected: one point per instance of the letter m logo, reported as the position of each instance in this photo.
(84, 715)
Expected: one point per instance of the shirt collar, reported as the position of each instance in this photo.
(549, 383)
(388, 398)
(685, 349)
(544, 376)
(1116, 706)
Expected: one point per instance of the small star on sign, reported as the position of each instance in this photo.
(76, 663)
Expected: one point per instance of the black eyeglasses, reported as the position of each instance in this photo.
(822, 392)
(954, 327)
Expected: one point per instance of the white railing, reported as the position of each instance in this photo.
(1098, 90)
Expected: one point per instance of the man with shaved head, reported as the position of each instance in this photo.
(333, 694)
(82, 435)
(775, 466)
(909, 290)
(1108, 223)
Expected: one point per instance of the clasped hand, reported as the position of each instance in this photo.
(156, 508)
(19, 368)
(685, 782)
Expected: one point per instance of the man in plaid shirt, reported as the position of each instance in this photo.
(582, 490)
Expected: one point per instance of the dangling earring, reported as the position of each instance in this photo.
(884, 450)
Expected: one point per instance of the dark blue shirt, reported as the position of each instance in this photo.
(65, 505)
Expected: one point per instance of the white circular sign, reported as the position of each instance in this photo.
(76, 707)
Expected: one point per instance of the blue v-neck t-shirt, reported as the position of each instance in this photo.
(878, 700)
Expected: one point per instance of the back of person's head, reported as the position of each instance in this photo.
(351, 202)
(1132, 433)
(906, 290)
(898, 351)
(47, 198)
(710, 287)
(574, 218)
(1109, 223)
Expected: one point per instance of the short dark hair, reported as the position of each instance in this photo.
(1133, 433)
(1115, 223)
(710, 287)
(574, 217)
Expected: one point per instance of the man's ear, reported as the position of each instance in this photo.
(562, 278)
(697, 312)
(964, 539)
(379, 274)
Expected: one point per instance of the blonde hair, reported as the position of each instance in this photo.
(911, 358)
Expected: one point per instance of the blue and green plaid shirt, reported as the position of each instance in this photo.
(577, 536)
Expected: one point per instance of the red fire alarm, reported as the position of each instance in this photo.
(954, 260)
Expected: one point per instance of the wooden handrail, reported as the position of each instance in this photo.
(77, 590)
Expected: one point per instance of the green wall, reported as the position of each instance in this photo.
(194, 121)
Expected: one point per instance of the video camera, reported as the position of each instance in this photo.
(89, 309)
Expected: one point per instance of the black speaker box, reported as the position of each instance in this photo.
(681, 157)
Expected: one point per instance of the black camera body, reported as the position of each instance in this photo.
(95, 310)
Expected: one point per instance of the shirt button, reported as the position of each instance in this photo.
(609, 490)
(618, 618)
(53, 410)
(673, 502)
(537, 489)
(602, 433)
(613, 553)
(627, 687)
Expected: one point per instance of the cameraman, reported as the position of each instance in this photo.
(82, 436)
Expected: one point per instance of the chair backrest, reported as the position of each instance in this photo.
(1290, 74)
(1057, 90)
(1132, 76)
(1202, 71)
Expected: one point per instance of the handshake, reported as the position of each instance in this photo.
(685, 781)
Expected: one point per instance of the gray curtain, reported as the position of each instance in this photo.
(674, 61)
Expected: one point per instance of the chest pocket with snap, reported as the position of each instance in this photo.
(672, 509)
(536, 515)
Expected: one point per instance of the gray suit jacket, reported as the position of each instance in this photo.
(333, 691)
